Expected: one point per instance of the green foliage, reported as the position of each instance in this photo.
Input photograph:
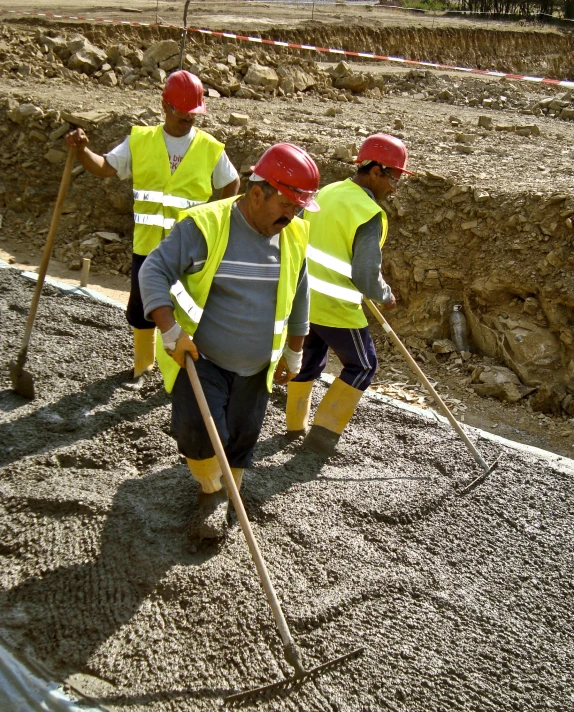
(436, 5)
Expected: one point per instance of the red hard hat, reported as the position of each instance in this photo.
(385, 149)
(184, 92)
(292, 171)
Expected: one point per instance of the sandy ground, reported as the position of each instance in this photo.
(461, 602)
(253, 15)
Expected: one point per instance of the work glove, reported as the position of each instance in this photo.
(289, 366)
(177, 343)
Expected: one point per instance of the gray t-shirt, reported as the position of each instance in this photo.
(236, 327)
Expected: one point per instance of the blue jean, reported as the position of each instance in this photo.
(237, 404)
(353, 347)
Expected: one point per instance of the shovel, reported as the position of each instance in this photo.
(22, 381)
(486, 469)
(290, 649)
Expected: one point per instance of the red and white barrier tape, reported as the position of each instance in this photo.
(293, 45)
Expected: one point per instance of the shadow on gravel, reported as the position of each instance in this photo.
(76, 416)
(67, 613)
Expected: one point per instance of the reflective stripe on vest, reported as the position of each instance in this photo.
(160, 195)
(168, 201)
(346, 294)
(185, 301)
(158, 220)
(191, 292)
(335, 300)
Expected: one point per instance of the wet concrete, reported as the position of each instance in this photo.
(461, 602)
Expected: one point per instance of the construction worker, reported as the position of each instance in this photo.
(344, 263)
(239, 304)
(173, 168)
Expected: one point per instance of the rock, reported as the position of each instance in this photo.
(567, 114)
(168, 64)
(356, 83)
(507, 392)
(398, 125)
(568, 404)
(213, 93)
(465, 138)
(505, 127)
(87, 60)
(38, 136)
(548, 399)
(60, 131)
(443, 346)
(331, 111)
(108, 79)
(492, 375)
(85, 119)
(75, 265)
(294, 79)
(54, 156)
(480, 195)
(345, 153)
(485, 122)
(108, 236)
(159, 75)
(531, 306)
(238, 119)
(25, 112)
(159, 52)
(260, 76)
(343, 69)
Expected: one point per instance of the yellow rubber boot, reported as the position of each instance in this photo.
(144, 350)
(298, 407)
(237, 473)
(207, 473)
(332, 416)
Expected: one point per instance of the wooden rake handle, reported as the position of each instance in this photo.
(291, 653)
(426, 383)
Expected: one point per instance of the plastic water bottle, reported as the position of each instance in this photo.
(458, 330)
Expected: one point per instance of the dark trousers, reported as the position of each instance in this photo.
(353, 347)
(135, 310)
(237, 404)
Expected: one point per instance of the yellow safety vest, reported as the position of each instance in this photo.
(190, 293)
(159, 194)
(335, 301)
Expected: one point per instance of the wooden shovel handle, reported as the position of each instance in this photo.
(64, 184)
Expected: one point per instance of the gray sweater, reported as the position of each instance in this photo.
(236, 328)
(367, 258)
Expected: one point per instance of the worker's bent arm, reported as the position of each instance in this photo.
(231, 189)
(92, 162)
(163, 318)
(295, 343)
(95, 164)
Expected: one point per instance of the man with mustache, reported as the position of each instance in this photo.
(229, 286)
(173, 168)
(344, 261)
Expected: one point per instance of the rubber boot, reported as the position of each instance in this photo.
(237, 473)
(298, 407)
(332, 416)
(144, 351)
(210, 520)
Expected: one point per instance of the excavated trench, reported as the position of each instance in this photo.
(547, 53)
(462, 602)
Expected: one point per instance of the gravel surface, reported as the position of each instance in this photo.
(461, 602)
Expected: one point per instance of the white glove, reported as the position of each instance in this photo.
(169, 338)
(294, 359)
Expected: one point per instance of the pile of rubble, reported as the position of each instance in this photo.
(504, 95)
(234, 70)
